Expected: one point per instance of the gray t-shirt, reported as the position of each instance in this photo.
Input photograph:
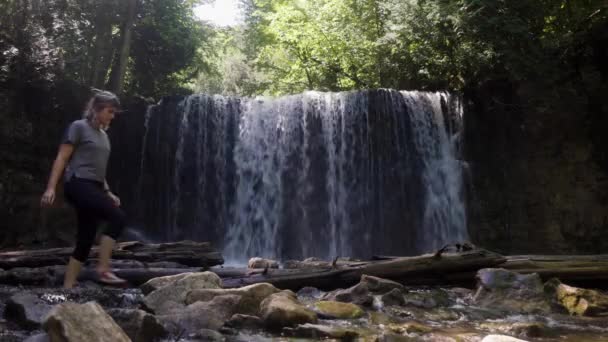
(91, 151)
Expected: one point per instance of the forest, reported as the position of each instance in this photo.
(153, 48)
(353, 170)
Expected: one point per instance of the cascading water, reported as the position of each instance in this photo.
(316, 174)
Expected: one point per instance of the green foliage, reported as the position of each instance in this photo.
(80, 40)
(423, 44)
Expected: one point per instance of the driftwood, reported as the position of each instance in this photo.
(188, 253)
(583, 270)
(52, 276)
(448, 268)
(138, 263)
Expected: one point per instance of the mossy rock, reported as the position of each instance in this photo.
(339, 310)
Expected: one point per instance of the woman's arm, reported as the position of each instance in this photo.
(63, 156)
(114, 198)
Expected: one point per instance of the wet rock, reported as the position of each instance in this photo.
(379, 285)
(309, 292)
(139, 325)
(156, 283)
(239, 321)
(501, 338)
(578, 301)
(206, 335)
(262, 263)
(427, 299)
(358, 294)
(338, 310)
(73, 322)
(410, 328)
(27, 310)
(393, 297)
(282, 309)
(520, 329)
(38, 338)
(395, 338)
(316, 331)
(200, 315)
(173, 294)
(509, 291)
(441, 315)
(250, 296)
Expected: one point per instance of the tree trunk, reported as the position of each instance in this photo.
(103, 44)
(120, 61)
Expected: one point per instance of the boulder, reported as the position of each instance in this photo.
(27, 310)
(338, 310)
(250, 296)
(239, 321)
(501, 338)
(156, 283)
(139, 325)
(71, 322)
(379, 285)
(200, 315)
(282, 309)
(321, 332)
(578, 301)
(358, 294)
(173, 294)
(504, 290)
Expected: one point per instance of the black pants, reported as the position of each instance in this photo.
(92, 205)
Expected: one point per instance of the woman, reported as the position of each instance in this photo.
(83, 154)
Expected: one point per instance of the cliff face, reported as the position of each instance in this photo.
(538, 169)
(538, 166)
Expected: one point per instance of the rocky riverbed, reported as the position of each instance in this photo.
(505, 306)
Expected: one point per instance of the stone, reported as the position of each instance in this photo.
(282, 309)
(321, 332)
(338, 310)
(379, 285)
(501, 289)
(410, 328)
(207, 335)
(579, 301)
(38, 338)
(501, 338)
(156, 283)
(173, 295)
(428, 299)
(27, 310)
(239, 321)
(251, 296)
(393, 297)
(358, 294)
(262, 263)
(139, 325)
(200, 315)
(71, 322)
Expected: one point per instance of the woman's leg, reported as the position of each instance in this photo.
(87, 227)
(90, 200)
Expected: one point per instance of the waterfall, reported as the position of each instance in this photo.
(314, 174)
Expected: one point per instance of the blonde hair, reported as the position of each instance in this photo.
(98, 102)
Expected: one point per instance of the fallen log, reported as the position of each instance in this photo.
(581, 270)
(188, 253)
(429, 269)
(52, 276)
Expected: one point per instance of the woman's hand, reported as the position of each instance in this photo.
(115, 199)
(48, 198)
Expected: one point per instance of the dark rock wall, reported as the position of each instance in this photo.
(538, 171)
